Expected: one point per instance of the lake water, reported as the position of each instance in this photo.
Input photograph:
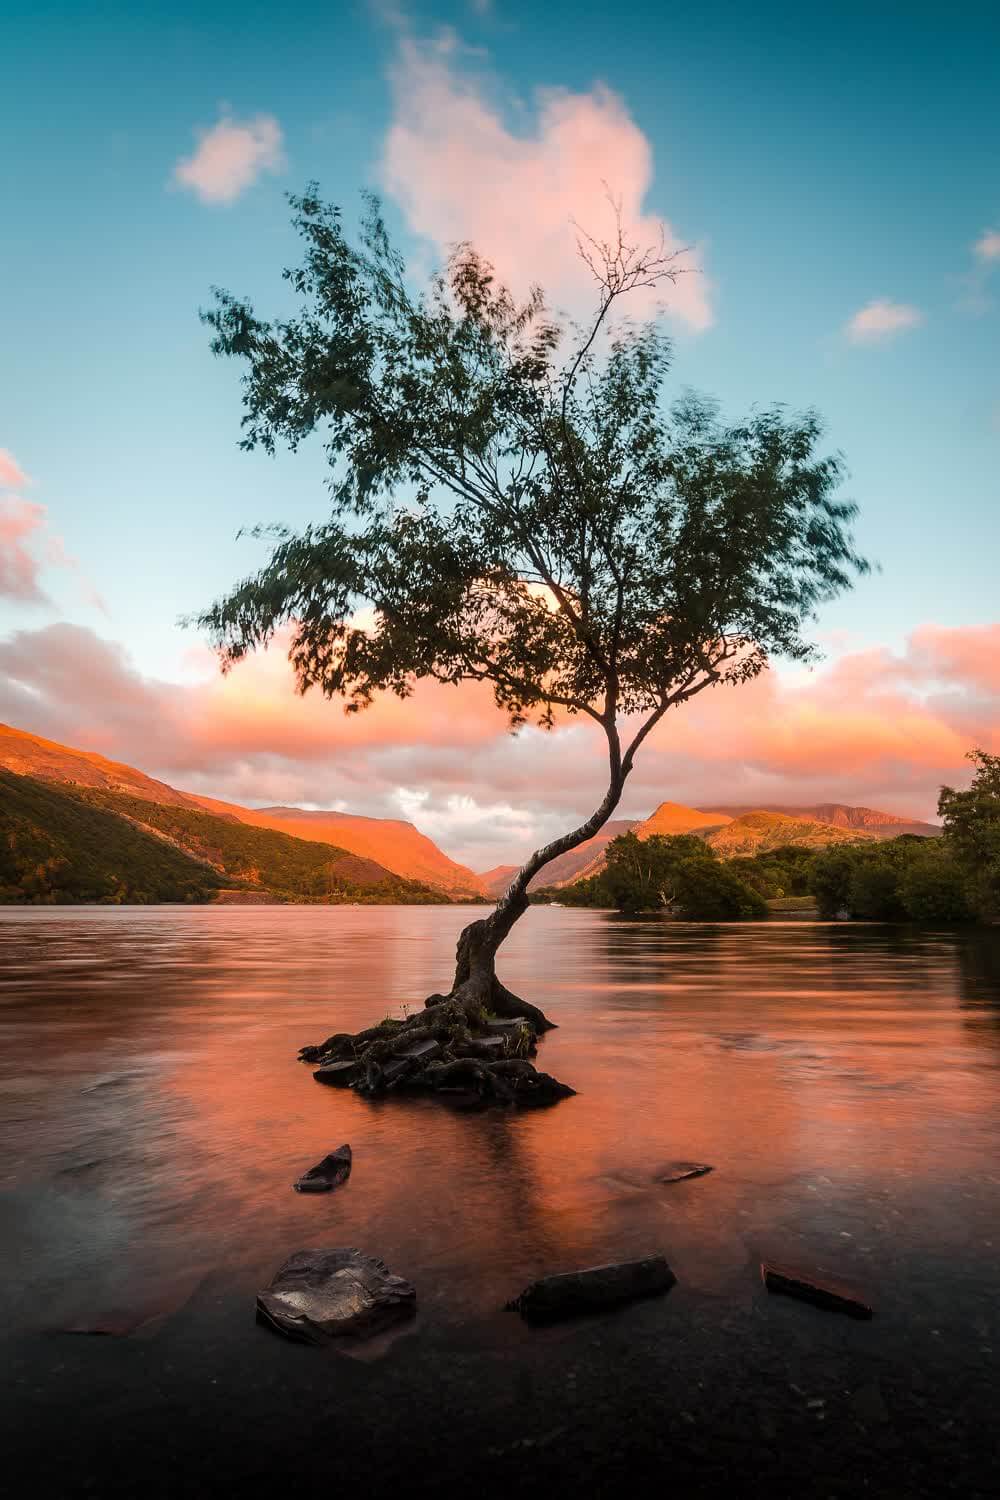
(842, 1080)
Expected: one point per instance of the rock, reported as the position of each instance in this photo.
(507, 1028)
(790, 1283)
(487, 1046)
(340, 1074)
(329, 1173)
(537, 1088)
(319, 1295)
(595, 1288)
(679, 1171)
(422, 1052)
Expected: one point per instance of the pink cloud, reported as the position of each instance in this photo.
(987, 247)
(874, 727)
(461, 174)
(230, 157)
(11, 473)
(21, 524)
(881, 319)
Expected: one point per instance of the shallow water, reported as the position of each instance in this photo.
(843, 1081)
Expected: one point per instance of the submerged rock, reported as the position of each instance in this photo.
(329, 1173)
(792, 1283)
(595, 1288)
(679, 1171)
(319, 1295)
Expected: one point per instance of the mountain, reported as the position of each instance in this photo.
(56, 848)
(390, 842)
(30, 755)
(494, 882)
(671, 817)
(841, 815)
(261, 858)
(394, 845)
(758, 831)
(564, 869)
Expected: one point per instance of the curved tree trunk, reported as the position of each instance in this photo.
(476, 986)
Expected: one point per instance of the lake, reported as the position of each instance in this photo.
(843, 1080)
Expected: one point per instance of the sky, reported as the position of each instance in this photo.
(835, 176)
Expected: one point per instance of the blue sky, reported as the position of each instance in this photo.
(821, 159)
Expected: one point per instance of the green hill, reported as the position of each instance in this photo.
(262, 858)
(55, 848)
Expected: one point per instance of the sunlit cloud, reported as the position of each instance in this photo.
(987, 247)
(461, 173)
(875, 727)
(22, 526)
(230, 157)
(12, 476)
(880, 320)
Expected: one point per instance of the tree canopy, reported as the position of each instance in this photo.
(512, 500)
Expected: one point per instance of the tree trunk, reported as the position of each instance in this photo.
(476, 986)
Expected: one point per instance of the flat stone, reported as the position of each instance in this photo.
(793, 1283)
(340, 1074)
(319, 1295)
(679, 1171)
(593, 1289)
(421, 1051)
(486, 1046)
(329, 1173)
(504, 1028)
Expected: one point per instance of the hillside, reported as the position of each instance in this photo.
(759, 831)
(390, 842)
(842, 815)
(55, 848)
(672, 817)
(29, 755)
(394, 845)
(263, 858)
(562, 870)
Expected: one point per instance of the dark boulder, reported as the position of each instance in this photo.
(319, 1295)
(591, 1290)
(680, 1171)
(805, 1287)
(329, 1173)
(340, 1074)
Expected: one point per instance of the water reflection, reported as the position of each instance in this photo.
(840, 1078)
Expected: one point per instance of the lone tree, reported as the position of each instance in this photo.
(513, 503)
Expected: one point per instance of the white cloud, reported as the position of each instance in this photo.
(881, 319)
(230, 157)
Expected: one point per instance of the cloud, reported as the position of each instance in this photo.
(11, 473)
(875, 727)
(987, 247)
(460, 173)
(21, 525)
(881, 320)
(230, 157)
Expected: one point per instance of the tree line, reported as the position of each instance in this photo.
(955, 878)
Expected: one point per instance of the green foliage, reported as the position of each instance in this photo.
(514, 502)
(781, 872)
(266, 858)
(710, 890)
(54, 848)
(972, 832)
(678, 872)
(902, 879)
